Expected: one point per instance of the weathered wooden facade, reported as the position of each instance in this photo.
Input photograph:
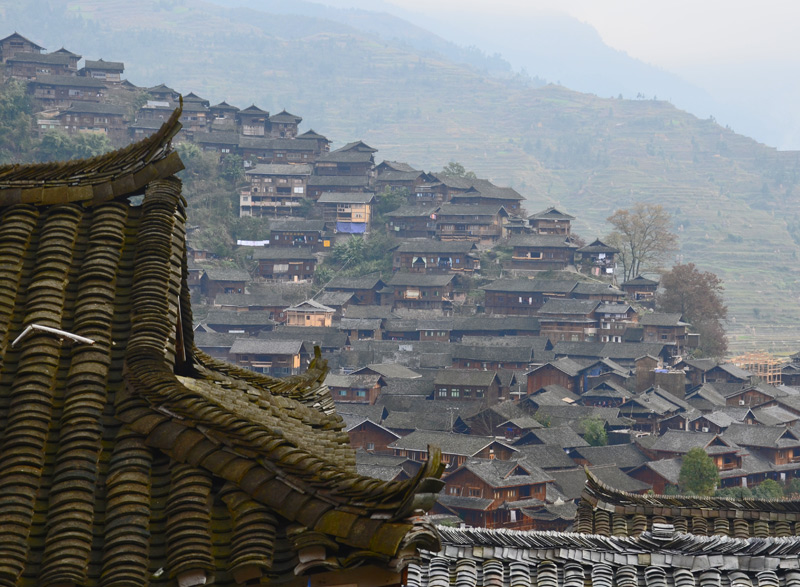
(284, 264)
(430, 256)
(345, 212)
(422, 291)
(274, 190)
(542, 252)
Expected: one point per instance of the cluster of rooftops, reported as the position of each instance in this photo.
(130, 456)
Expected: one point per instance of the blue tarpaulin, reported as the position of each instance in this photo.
(351, 227)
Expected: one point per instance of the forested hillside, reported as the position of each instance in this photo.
(733, 199)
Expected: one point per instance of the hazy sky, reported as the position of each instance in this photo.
(668, 33)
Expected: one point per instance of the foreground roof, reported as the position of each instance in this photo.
(137, 452)
(658, 558)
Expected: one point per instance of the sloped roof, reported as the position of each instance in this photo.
(101, 64)
(464, 377)
(346, 198)
(285, 117)
(430, 246)
(598, 246)
(279, 169)
(139, 452)
(551, 214)
(531, 285)
(548, 241)
(419, 279)
(661, 319)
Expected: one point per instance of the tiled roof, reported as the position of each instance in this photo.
(100, 64)
(419, 279)
(279, 169)
(660, 319)
(531, 286)
(426, 246)
(346, 198)
(356, 181)
(138, 452)
(549, 241)
(551, 213)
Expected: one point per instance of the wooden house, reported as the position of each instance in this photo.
(779, 445)
(568, 319)
(361, 389)
(274, 190)
(271, 302)
(551, 221)
(597, 258)
(320, 184)
(523, 297)
(483, 224)
(15, 44)
(196, 116)
(107, 71)
(30, 66)
(422, 291)
(456, 448)
(61, 91)
(253, 121)
(222, 117)
(279, 151)
(242, 323)
(278, 358)
(594, 290)
(393, 176)
(284, 264)
(492, 357)
(322, 142)
(491, 326)
(666, 328)
(345, 212)
(485, 193)
(361, 328)
(541, 252)
(355, 159)
(466, 385)
(614, 320)
(640, 289)
(366, 287)
(490, 493)
(163, 93)
(284, 125)
(412, 221)
(430, 256)
(93, 117)
(298, 232)
(223, 280)
(564, 372)
(368, 436)
(309, 313)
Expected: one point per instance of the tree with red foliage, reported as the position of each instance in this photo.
(697, 295)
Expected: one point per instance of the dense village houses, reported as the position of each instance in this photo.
(15, 44)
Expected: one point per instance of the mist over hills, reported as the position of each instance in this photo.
(732, 198)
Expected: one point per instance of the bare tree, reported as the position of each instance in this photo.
(644, 238)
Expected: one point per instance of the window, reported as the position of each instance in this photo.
(370, 446)
(361, 393)
(455, 393)
(442, 393)
(343, 392)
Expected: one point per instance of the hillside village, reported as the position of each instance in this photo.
(498, 334)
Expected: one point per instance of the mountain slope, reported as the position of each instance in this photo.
(730, 195)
